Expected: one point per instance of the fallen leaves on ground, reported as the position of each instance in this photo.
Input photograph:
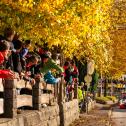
(96, 117)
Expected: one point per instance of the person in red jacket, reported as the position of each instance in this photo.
(4, 53)
(74, 71)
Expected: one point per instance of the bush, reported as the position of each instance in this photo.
(112, 98)
(101, 100)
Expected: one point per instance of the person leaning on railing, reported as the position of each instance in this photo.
(4, 53)
(48, 64)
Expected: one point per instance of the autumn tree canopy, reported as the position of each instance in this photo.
(118, 21)
(80, 27)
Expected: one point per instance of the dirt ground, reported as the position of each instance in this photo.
(97, 117)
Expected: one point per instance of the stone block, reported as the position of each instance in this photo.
(49, 116)
(32, 119)
(53, 122)
(58, 120)
(57, 110)
(13, 122)
(21, 121)
(4, 124)
(44, 123)
(52, 113)
(43, 116)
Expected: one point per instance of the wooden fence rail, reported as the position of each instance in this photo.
(12, 100)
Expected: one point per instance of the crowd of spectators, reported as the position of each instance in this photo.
(17, 62)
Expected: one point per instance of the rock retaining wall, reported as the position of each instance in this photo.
(91, 105)
(70, 112)
(45, 117)
(58, 115)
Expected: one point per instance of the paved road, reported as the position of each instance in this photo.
(119, 116)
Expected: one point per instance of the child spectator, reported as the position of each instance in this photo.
(32, 69)
(32, 64)
(25, 50)
(24, 53)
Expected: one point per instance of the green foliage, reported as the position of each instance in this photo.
(112, 98)
(80, 95)
(95, 78)
(101, 100)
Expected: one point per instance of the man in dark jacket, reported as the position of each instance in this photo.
(17, 67)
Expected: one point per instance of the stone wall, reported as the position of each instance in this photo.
(91, 105)
(70, 112)
(48, 116)
(62, 114)
(58, 115)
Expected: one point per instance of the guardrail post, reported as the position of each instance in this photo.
(36, 95)
(71, 94)
(55, 91)
(61, 92)
(10, 99)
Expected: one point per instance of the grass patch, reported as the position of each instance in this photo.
(101, 100)
(112, 98)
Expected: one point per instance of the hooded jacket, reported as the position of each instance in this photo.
(3, 73)
(1, 58)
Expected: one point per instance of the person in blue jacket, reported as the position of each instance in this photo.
(50, 79)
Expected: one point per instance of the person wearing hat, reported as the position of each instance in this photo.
(4, 51)
(48, 63)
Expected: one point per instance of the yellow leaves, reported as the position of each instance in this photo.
(58, 2)
(26, 5)
(80, 28)
(7, 1)
(118, 66)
